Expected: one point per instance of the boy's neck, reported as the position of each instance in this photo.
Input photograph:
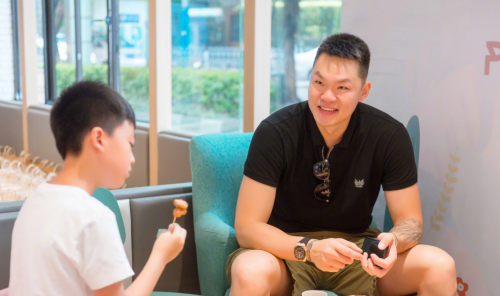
(77, 173)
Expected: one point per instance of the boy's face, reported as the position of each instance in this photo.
(335, 90)
(117, 157)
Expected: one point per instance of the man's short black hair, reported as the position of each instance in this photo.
(83, 106)
(347, 46)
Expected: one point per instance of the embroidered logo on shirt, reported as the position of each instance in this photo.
(360, 183)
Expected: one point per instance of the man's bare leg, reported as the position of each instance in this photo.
(259, 273)
(425, 270)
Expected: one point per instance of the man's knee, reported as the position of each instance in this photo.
(441, 262)
(255, 270)
(440, 268)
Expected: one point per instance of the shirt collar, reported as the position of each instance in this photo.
(317, 138)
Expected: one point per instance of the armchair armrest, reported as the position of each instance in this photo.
(215, 241)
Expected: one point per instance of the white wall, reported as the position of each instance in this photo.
(428, 59)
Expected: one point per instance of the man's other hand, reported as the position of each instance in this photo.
(368, 263)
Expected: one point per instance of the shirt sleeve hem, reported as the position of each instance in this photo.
(260, 179)
(400, 185)
(110, 278)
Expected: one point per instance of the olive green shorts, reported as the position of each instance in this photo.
(352, 280)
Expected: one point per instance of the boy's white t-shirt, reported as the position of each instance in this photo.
(65, 242)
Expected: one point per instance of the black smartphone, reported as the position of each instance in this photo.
(370, 246)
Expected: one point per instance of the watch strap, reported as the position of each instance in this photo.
(309, 247)
(305, 240)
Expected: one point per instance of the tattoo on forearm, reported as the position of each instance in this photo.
(409, 233)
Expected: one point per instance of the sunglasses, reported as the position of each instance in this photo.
(321, 171)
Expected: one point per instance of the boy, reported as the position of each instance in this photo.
(65, 242)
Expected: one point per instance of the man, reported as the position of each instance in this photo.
(312, 176)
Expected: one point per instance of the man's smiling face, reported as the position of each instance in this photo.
(335, 90)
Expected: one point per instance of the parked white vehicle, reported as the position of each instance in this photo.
(304, 64)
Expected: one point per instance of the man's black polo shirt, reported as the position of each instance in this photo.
(375, 150)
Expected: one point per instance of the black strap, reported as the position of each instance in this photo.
(305, 240)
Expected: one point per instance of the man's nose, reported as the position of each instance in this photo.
(132, 159)
(328, 96)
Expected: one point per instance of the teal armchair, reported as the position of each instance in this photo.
(217, 163)
(217, 166)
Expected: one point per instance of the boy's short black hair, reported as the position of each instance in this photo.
(347, 46)
(83, 106)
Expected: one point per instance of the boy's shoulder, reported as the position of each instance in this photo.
(68, 201)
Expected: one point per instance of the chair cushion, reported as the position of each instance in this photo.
(170, 294)
(328, 293)
(108, 199)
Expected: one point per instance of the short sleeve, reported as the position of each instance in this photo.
(104, 261)
(400, 170)
(265, 161)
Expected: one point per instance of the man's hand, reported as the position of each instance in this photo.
(334, 254)
(386, 241)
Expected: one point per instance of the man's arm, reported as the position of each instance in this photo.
(406, 212)
(255, 203)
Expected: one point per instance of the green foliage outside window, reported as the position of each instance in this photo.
(211, 93)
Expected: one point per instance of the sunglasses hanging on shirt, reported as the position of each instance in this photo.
(321, 171)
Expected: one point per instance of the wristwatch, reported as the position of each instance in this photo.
(300, 250)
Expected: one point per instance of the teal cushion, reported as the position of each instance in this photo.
(170, 294)
(108, 199)
(217, 163)
(329, 293)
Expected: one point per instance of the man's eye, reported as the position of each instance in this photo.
(319, 82)
(342, 87)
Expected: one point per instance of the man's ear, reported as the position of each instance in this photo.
(365, 91)
(97, 138)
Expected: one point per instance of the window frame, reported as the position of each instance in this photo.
(15, 42)
(50, 47)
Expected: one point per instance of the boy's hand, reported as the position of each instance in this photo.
(170, 243)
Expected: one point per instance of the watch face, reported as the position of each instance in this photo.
(299, 252)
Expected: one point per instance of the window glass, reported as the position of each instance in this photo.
(7, 49)
(298, 28)
(134, 70)
(65, 59)
(207, 65)
(94, 36)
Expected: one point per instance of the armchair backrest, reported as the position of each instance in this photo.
(217, 163)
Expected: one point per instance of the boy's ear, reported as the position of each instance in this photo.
(97, 135)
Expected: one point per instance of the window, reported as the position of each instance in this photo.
(298, 28)
(65, 57)
(134, 69)
(207, 64)
(77, 40)
(8, 44)
(94, 40)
